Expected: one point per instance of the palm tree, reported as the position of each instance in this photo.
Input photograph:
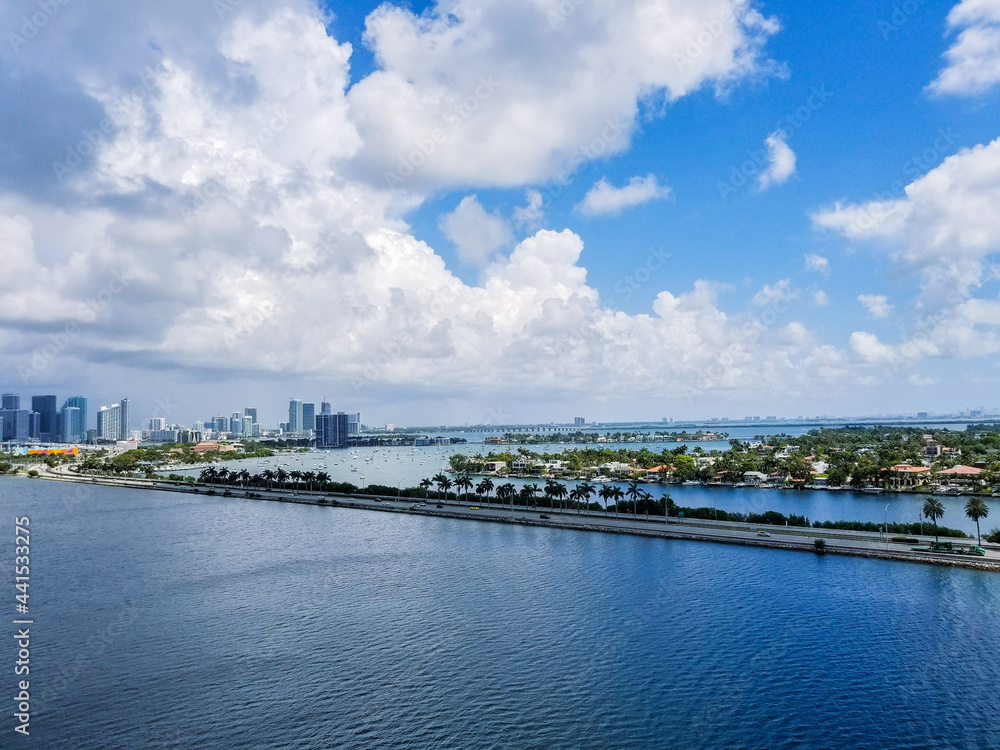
(296, 475)
(666, 506)
(243, 476)
(633, 492)
(560, 491)
(530, 492)
(933, 510)
(439, 480)
(464, 483)
(446, 485)
(282, 476)
(975, 509)
(507, 492)
(646, 500)
(426, 484)
(268, 476)
(586, 490)
(209, 475)
(616, 495)
(308, 477)
(322, 478)
(550, 492)
(485, 487)
(605, 493)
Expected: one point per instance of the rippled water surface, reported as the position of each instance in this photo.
(166, 620)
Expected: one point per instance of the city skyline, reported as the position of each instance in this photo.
(445, 216)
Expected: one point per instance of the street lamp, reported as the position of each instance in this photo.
(885, 526)
(362, 482)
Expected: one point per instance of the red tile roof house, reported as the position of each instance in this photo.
(963, 475)
(904, 475)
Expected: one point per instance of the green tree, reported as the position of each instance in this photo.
(933, 510)
(485, 487)
(464, 483)
(975, 509)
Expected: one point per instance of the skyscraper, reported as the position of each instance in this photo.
(10, 401)
(80, 403)
(251, 412)
(325, 407)
(308, 418)
(16, 425)
(157, 423)
(354, 423)
(71, 424)
(236, 423)
(331, 430)
(295, 416)
(109, 422)
(125, 415)
(48, 417)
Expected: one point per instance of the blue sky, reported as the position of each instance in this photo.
(837, 289)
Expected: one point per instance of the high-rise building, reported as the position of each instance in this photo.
(198, 427)
(157, 423)
(16, 425)
(354, 423)
(10, 401)
(80, 403)
(220, 424)
(109, 422)
(125, 415)
(71, 424)
(34, 425)
(325, 407)
(295, 417)
(251, 412)
(331, 430)
(48, 417)
(579, 421)
(308, 418)
(246, 429)
(236, 423)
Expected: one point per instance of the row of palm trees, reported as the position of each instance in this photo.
(269, 478)
(553, 491)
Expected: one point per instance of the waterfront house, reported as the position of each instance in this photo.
(905, 475)
(958, 476)
(754, 478)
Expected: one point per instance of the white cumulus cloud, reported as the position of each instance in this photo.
(477, 235)
(974, 58)
(604, 199)
(877, 305)
(780, 161)
(817, 263)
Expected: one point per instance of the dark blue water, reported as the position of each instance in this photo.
(169, 621)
